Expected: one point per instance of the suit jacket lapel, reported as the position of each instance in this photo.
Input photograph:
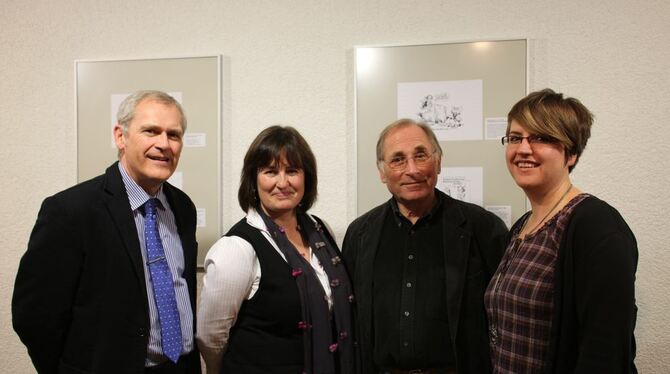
(118, 206)
(456, 244)
(368, 246)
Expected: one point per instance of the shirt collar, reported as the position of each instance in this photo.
(136, 194)
(397, 215)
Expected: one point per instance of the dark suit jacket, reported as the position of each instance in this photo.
(473, 243)
(80, 300)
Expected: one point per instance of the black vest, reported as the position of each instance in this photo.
(266, 337)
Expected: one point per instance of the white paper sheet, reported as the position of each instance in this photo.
(177, 179)
(195, 140)
(504, 212)
(463, 183)
(201, 220)
(452, 108)
(495, 128)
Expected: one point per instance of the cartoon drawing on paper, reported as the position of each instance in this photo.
(458, 188)
(437, 111)
(463, 183)
(452, 108)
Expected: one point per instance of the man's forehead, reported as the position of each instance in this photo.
(151, 103)
(406, 140)
(146, 109)
(407, 150)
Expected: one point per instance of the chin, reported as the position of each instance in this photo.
(162, 173)
(528, 186)
(415, 196)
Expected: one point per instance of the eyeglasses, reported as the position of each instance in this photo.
(532, 139)
(400, 162)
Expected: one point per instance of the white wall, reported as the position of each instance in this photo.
(291, 62)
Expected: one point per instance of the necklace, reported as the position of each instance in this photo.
(545, 216)
(493, 325)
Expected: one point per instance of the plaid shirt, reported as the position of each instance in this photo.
(519, 299)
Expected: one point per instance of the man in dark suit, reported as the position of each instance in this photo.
(108, 282)
(420, 264)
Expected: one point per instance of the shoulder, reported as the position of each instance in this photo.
(325, 225)
(596, 230)
(229, 248)
(86, 188)
(76, 199)
(178, 196)
(593, 207)
(475, 215)
(319, 220)
(595, 217)
(370, 216)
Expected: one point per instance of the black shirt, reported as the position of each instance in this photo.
(410, 310)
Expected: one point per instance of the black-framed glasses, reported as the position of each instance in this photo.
(400, 162)
(532, 139)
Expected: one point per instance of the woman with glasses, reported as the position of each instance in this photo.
(276, 297)
(563, 297)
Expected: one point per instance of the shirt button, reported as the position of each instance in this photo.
(406, 314)
(410, 257)
(409, 285)
(405, 344)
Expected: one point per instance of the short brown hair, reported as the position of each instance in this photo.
(405, 122)
(268, 148)
(548, 113)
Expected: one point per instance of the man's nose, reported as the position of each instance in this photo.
(162, 141)
(411, 167)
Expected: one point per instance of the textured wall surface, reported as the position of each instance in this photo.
(291, 62)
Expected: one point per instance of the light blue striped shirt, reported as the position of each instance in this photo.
(167, 228)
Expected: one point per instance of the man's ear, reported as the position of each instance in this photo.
(382, 175)
(119, 137)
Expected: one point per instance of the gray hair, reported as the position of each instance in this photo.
(405, 122)
(126, 111)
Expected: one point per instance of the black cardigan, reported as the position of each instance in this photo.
(594, 295)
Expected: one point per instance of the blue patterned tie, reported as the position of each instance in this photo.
(161, 279)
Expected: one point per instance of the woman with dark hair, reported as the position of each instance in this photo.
(563, 297)
(276, 297)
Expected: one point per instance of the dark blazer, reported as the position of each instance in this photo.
(80, 300)
(473, 242)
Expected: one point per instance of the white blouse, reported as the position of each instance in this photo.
(232, 275)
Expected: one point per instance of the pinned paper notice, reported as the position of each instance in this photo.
(198, 139)
(453, 109)
(463, 183)
(495, 128)
(201, 217)
(177, 180)
(504, 212)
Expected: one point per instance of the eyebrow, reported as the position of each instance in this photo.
(419, 148)
(153, 126)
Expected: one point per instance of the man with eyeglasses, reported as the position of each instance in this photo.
(420, 263)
